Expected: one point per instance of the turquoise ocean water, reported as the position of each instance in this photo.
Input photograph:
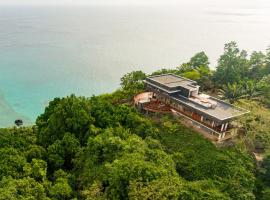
(48, 52)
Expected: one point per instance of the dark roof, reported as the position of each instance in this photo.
(168, 83)
(222, 112)
(173, 82)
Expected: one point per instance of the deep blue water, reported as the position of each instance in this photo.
(48, 52)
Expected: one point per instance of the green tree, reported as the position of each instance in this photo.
(19, 138)
(251, 89)
(61, 152)
(37, 170)
(132, 83)
(233, 92)
(136, 166)
(165, 71)
(205, 81)
(25, 188)
(35, 151)
(263, 87)
(70, 114)
(202, 190)
(116, 157)
(194, 75)
(232, 65)
(132, 79)
(256, 125)
(184, 68)
(265, 194)
(197, 159)
(162, 188)
(12, 163)
(257, 65)
(266, 170)
(94, 192)
(61, 188)
(198, 60)
(108, 115)
(267, 62)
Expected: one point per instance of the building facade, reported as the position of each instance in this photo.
(184, 98)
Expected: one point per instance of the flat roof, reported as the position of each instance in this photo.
(173, 81)
(223, 110)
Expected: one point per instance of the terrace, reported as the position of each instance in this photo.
(186, 92)
(152, 105)
(181, 96)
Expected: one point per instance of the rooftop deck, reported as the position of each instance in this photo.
(172, 81)
(209, 106)
(151, 104)
(223, 111)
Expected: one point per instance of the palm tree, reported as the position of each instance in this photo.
(232, 92)
(250, 88)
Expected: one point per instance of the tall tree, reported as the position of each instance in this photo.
(264, 88)
(132, 82)
(198, 60)
(232, 65)
(267, 62)
(257, 65)
(70, 114)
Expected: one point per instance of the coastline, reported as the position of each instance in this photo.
(8, 115)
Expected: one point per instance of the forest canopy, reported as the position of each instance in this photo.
(102, 148)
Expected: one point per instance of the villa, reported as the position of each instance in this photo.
(181, 96)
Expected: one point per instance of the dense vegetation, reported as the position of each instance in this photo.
(102, 148)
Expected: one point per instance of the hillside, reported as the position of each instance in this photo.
(102, 148)
(116, 153)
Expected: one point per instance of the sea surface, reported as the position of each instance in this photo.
(48, 52)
